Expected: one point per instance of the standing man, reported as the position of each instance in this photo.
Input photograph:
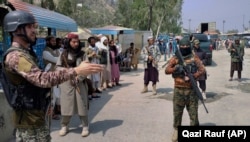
(93, 56)
(184, 94)
(105, 61)
(151, 56)
(202, 55)
(74, 93)
(237, 52)
(50, 56)
(29, 82)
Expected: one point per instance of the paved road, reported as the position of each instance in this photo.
(122, 114)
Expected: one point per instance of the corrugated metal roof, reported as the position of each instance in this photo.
(45, 17)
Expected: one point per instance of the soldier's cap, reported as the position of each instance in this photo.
(184, 41)
(72, 35)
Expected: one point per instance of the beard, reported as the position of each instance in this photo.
(54, 47)
(185, 51)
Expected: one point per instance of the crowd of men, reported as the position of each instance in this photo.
(76, 74)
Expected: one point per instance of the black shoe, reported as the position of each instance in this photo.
(109, 86)
(118, 84)
(96, 96)
(98, 91)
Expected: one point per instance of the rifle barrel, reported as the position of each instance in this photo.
(191, 77)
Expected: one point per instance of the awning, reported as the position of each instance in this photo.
(112, 30)
(45, 17)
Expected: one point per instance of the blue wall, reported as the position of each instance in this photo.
(38, 48)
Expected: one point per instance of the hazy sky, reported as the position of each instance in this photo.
(234, 12)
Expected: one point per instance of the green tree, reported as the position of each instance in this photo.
(65, 7)
(155, 15)
(48, 4)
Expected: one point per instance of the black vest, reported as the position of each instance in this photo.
(21, 94)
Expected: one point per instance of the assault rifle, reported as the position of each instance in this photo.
(151, 53)
(191, 77)
(237, 53)
(163, 66)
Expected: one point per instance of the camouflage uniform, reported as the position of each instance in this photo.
(40, 134)
(184, 95)
(30, 124)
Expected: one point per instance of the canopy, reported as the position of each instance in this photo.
(83, 33)
(45, 17)
(112, 30)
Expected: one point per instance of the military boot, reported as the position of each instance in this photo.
(145, 89)
(154, 90)
(175, 136)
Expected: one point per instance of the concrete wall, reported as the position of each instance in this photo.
(141, 38)
(6, 124)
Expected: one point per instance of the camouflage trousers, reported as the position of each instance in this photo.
(40, 134)
(185, 97)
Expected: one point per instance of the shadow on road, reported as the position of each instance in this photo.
(211, 96)
(104, 125)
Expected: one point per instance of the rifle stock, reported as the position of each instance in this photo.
(191, 77)
(163, 66)
(237, 54)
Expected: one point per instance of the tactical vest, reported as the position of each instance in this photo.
(21, 94)
(51, 51)
(191, 66)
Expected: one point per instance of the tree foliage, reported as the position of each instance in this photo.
(155, 15)
(65, 7)
(48, 4)
(160, 16)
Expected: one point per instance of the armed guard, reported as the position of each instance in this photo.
(184, 93)
(29, 83)
(236, 52)
(151, 56)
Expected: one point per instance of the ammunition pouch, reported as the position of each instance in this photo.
(30, 97)
(192, 68)
(179, 72)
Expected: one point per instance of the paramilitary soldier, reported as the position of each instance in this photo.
(184, 94)
(202, 55)
(22, 70)
(237, 52)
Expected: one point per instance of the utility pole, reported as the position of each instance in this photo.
(249, 25)
(243, 23)
(189, 21)
(223, 25)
